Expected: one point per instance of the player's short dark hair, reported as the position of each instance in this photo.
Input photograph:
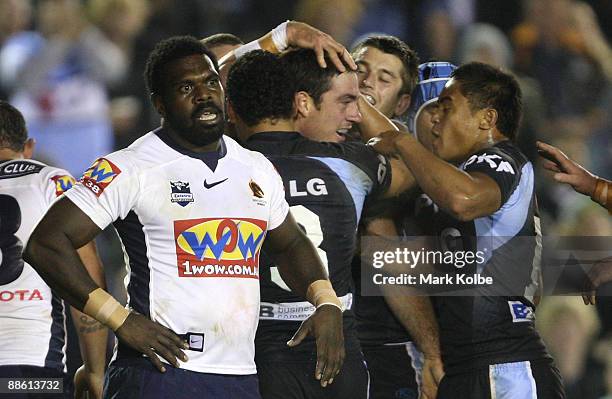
(221, 39)
(307, 75)
(488, 87)
(259, 87)
(394, 46)
(13, 132)
(169, 50)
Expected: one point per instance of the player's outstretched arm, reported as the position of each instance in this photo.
(51, 250)
(299, 35)
(567, 171)
(373, 122)
(93, 335)
(466, 196)
(302, 270)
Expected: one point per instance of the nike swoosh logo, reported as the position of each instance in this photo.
(211, 185)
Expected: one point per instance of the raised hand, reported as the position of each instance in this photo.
(303, 35)
(565, 170)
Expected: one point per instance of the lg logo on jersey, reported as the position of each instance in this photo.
(314, 186)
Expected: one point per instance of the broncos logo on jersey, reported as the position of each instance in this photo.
(63, 183)
(216, 247)
(100, 175)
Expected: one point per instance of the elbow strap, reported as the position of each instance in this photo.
(103, 307)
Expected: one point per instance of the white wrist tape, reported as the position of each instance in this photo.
(245, 48)
(321, 293)
(332, 304)
(279, 37)
(103, 307)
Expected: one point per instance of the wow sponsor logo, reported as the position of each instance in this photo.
(62, 183)
(100, 175)
(215, 247)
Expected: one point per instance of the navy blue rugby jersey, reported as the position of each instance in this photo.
(493, 323)
(326, 186)
(376, 323)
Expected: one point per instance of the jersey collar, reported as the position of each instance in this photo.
(275, 136)
(211, 158)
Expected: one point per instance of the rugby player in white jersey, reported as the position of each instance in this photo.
(32, 316)
(192, 208)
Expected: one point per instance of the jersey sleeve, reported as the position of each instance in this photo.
(57, 182)
(499, 166)
(279, 208)
(375, 165)
(108, 190)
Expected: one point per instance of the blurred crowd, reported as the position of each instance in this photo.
(74, 69)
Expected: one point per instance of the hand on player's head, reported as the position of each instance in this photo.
(303, 35)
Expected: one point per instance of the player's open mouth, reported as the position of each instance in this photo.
(207, 116)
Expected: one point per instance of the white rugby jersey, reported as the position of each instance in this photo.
(192, 226)
(32, 319)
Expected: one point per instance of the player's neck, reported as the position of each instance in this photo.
(270, 125)
(7, 154)
(492, 137)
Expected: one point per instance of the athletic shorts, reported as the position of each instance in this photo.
(139, 379)
(519, 380)
(38, 373)
(295, 380)
(395, 371)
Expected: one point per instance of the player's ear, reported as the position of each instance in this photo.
(488, 119)
(402, 105)
(28, 148)
(303, 104)
(231, 114)
(158, 104)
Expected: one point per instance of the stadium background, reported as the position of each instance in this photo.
(558, 49)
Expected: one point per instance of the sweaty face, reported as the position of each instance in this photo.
(380, 79)
(424, 125)
(455, 127)
(191, 101)
(337, 111)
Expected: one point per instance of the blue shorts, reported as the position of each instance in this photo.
(139, 379)
(516, 380)
(395, 370)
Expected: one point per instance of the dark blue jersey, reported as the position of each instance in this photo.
(376, 322)
(492, 324)
(326, 186)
